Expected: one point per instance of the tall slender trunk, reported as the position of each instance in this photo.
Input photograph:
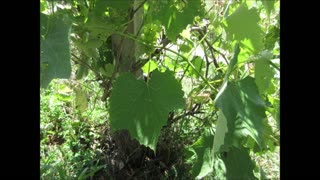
(129, 150)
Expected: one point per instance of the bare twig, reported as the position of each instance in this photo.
(211, 48)
(83, 63)
(186, 114)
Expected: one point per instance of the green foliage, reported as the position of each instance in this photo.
(143, 108)
(272, 37)
(233, 62)
(263, 71)
(238, 164)
(269, 5)
(68, 140)
(203, 151)
(54, 47)
(175, 16)
(243, 23)
(243, 110)
(185, 54)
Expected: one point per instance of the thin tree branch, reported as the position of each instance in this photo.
(207, 61)
(186, 114)
(83, 63)
(212, 54)
(167, 49)
(275, 66)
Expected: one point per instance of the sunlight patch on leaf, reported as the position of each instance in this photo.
(243, 23)
(243, 110)
(143, 108)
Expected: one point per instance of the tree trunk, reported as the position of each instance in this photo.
(129, 150)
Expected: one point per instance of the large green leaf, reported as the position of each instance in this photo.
(229, 134)
(221, 130)
(233, 62)
(174, 16)
(263, 71)
(243, 109)
(238, 164)
(105, 18)
(268, 5)
(55, 50)
(243, 23)
(143, 108)
(203, 152)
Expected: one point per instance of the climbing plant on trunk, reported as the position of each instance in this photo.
(164, 62)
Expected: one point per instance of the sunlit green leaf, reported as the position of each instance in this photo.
(263, 71)
(243, 23)
(203, 150)
(243, 110)
(175, 17)
(149, 66)
(143, 108)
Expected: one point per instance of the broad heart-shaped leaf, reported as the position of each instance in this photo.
(243, 110)
(55, 50)
(143, 108)
(243, 23)
(238, 164)
(202, 149)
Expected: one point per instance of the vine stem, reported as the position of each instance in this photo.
(84, 63)
(174, 52)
